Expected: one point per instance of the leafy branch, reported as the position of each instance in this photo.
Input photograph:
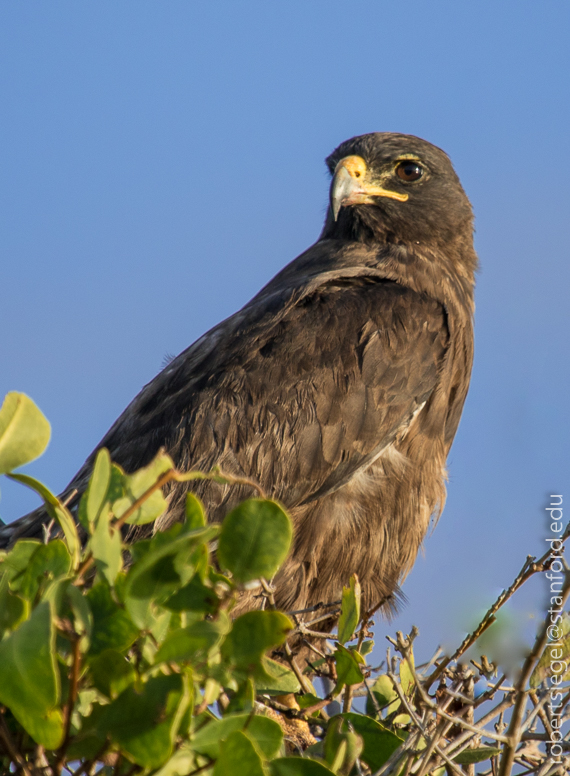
(164, 658)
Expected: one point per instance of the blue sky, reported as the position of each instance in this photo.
(161, 161)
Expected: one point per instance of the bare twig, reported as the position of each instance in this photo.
(530, 567)
(499, 709)
(411, 711)
(347, 700)
(86, 766)
(11, 747)
(47, 529)
(303, 681)
(314, 649)
(514, 729)
(404, 645)
(539, 708)
(315, 608)
(306, 624)
(315, 634)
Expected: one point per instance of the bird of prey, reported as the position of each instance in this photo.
(338, 387)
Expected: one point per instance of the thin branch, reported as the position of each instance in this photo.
(473, 728)
(426, 666)
(303, 681)
(316, 707)
(499, 709)
(72, 697)
(163, 480)
(403, 646)
(539, 708)
(314, 649)
(217, 475)
(315, 608)
(47, 529)
(514, 729)
(411, 711)
(530, 567)
(455, 719)
(315, 634)
(202, 768)
(169, 476)
(88, 764)
(372, 697)
(490, 693)
(327, 616)
(11, 747)
(347, 700)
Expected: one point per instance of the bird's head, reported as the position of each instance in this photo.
(395, 188)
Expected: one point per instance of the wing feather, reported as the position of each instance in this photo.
(299, 392)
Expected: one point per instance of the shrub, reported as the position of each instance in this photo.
(126, 659)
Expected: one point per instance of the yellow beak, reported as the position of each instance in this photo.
(350, 186)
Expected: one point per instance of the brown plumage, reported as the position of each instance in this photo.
(339, 387)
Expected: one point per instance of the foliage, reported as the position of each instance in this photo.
(132, 659)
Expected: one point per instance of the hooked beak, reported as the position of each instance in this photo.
(350, 186)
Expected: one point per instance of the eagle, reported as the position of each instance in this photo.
(338, 388)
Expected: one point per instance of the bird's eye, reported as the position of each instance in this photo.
(409, 171)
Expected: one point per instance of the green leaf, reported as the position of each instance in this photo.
(13, 609)
(379, 742)
(342, 746)
(96, 496)
(24, 432)
(266, 733)
(88, 740)
(385, 694)
(553, 655)
(181, 763)
(29, 681)
(162, 565)
(162, 625)
(309, 699)
(144, 722)
(113, 487)
(348, 671)
(238, 757)
(112, 625)
(49, 561)
(253, 634)
(139, 483)
(106, 545)
(243, 699)
(194, 597)
(111, 673)
(254, 540)
(81, 611)
(186, 644)
(477, 755)
(16, 561)
(350, 610)
(298, 766)
(195, 515)
(278, 679)
(406, 675)
(57, 511)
